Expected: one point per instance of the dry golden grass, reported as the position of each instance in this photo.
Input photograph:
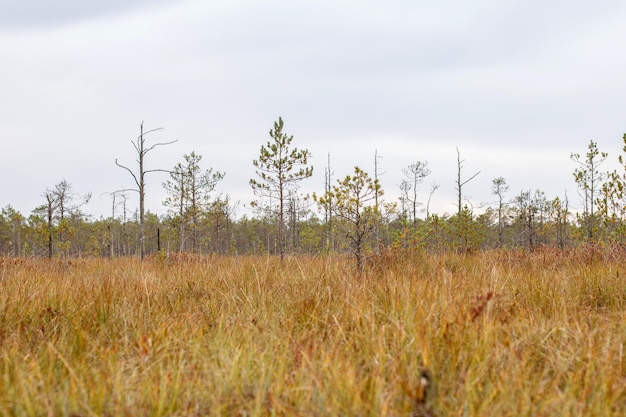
(503, 333)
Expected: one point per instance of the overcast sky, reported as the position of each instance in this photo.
(517, 86)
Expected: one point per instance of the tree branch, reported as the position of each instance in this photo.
(470, 178)
(156, 170)
(127, 169)
(158, 144)
(150, 131)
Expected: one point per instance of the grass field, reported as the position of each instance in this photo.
(503, 334)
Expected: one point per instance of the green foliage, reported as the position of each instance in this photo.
(559, 211)
(468, 234)
(414, 175)
(12, 229)
(589, 179)
(279, 166)
(612, 204)
(189, 196)
(279, 169)
(351, 201)
(531, 211)
(189, 186)
(352, 220)
(499, 187)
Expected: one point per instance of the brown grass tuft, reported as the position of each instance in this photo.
(503, 333)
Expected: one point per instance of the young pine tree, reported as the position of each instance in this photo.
(279, 169)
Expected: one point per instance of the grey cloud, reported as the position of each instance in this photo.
(39, 14)
(468, 74)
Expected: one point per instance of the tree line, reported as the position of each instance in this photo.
(349, 216)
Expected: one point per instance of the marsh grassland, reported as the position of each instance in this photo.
(503, 333)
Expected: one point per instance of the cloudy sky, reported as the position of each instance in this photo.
(517, 86)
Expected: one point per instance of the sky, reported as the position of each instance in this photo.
(515, 86)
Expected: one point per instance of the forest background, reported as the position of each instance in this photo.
(350, 215)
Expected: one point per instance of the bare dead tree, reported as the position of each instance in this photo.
(114, 205)
(64, 197)
(377, 193)
(459, 183)
(433, 188)
(328, 208)
(415, 174)
(139, 178)
(55, 211)
(499, 187)
(50, 207)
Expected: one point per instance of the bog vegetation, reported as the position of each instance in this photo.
(503, 333)
(331, 304)
(349, 216)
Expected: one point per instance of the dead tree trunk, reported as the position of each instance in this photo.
(139, 178)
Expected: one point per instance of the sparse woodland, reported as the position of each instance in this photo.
(321, 305)
(202, 222)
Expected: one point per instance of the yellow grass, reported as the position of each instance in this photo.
(503, 333)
